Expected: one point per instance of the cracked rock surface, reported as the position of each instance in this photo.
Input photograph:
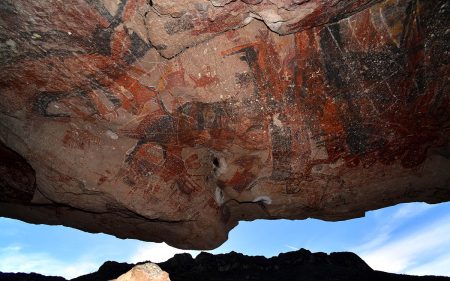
(174, 120)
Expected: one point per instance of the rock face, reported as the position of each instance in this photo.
(144, 272)
(299, 265)
(173, 120)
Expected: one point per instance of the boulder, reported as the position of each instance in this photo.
(144, 272)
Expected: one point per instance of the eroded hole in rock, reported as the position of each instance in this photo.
(216, 163)
(219, 165)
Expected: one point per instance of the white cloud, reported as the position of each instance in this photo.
(405, 254)
(292, 247)
(381, 237)
(407, 211)
(156, 252)
(389, 223)
(437, 266)
(13, 258)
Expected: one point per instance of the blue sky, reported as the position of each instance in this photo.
(408, 238)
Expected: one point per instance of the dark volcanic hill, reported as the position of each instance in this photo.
(299, 265)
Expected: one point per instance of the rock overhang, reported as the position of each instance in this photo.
(172, 122)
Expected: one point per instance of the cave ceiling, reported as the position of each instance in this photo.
(174, 120)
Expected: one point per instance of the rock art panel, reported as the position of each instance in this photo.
(346, 111)
(175, 26)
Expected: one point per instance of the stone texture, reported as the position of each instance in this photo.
(144, 272)
(346, 113)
